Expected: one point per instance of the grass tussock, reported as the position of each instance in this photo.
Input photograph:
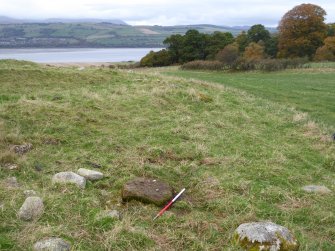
(241, 157)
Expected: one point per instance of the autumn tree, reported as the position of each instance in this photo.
(301, 31)
(327, 51)
(254, 52)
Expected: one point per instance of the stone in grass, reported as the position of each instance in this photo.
(147, 190)
(29, 193)
(113, 214)
(90, 174)
(266, 236)
(316, 189)
(52, 244)
(22, 149)
(69, 178)
(11, 183)
(32, 209)
(11, 166)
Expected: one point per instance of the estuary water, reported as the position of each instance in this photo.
(82, 55)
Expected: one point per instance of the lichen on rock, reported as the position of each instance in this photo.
(266, 236)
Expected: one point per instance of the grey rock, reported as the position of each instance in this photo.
(147, 190)
(316, 189)
(22, 149)
(69, 178)
(29, 193)
(32, 209)
(90, 174)
(11, 183)
(52, 244)
(265, 236)
(114, 214)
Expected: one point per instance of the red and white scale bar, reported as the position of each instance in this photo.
(169, 204)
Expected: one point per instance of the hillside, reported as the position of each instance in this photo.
(86, 34)
(241, 158)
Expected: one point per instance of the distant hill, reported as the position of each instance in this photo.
(53, 33)
(8, 20)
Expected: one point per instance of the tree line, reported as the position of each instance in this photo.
(302, 33)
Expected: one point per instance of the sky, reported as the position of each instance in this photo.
(161, 12)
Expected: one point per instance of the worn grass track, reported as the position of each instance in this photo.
(309, 90)
(241, 158)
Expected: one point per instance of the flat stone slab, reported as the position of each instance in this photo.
(90, 174)
(266, 236)
(316, 189)
(69, 178)
(52, 244)
(32, 209)
(147, 190)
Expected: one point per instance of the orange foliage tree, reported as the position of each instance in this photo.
(254, 52)
(326, 52)
(301, 31)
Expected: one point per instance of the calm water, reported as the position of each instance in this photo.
(76, 55)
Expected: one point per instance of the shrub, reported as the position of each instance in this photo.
(156, 59)
(269, 64)
(203, 65)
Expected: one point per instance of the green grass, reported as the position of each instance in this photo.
(311, 90)
(241, 158)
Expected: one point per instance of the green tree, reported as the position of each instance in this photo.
(194, 46)
(175, 45)
(216, 42)
(301, 31)
(242, 41)
(257, 33)
(271, 46)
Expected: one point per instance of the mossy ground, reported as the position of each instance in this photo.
(241, 158)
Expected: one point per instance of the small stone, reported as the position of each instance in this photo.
(32, 209)
(2, 206)
(145, 190)
(38, 167)
(11, 183)
(90, 174)
(52, 244)
(29, 193)
(316, 189)
(22, 149)
(11, 167)
(69, 177)
(266, 236)
(114, 214)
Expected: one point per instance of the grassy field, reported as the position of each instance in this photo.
(310, 90)
(241, 157)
